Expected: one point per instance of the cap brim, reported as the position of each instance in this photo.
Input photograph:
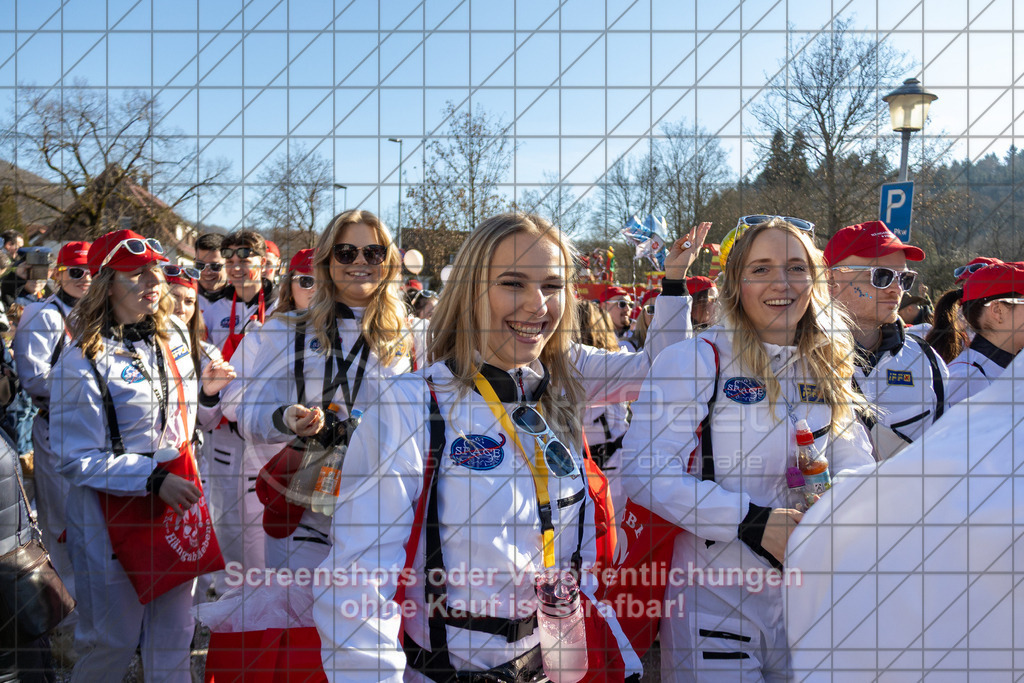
(912, 253)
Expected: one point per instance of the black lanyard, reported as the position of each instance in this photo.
(159, 390)
(339, 377)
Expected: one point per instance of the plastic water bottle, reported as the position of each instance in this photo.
(328, 481)
(812, 463)
(797, 492)
(563, 635)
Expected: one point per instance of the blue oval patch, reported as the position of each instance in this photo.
(478, 452)
(744, 389)
(315, 344)
(131, 374)
(226, 322)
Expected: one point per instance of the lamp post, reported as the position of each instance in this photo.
(339, 186)
(399, 141)
(908, 108)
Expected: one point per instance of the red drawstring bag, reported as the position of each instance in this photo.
(275, 655)
(159, 549)
(280, 517)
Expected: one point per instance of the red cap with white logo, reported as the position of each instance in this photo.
(867, 240)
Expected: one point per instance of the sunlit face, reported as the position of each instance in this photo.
(775, 286)
(300, 295)
(869, 307)
(136, 294)
(619, 308)
(208, 279)
(244, 271)
(355, 283)
(706, 311)
(184, 301)
(74, 281)
(526, 296)
(1001, 319)
(270, 266)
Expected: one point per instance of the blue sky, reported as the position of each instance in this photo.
(583, 80)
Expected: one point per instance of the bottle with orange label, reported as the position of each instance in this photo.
(812, 463)
(328, 481)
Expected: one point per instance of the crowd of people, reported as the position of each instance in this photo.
(498, 425)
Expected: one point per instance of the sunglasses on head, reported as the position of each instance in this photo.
(171, 270)
(214, 267)
(135, 246)
(75, 272)
(556, 455)
(426, 294)
(882, 278)
(972, 268)
(757, 219)
(347, 253)
(242, 252)
(305, 281)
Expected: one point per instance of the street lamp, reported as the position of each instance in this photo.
(399, 141)
(908, 108)
(339, 186)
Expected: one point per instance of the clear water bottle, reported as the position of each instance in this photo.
(812, 463)
(797, 492)
(563, 635)
(328, 480)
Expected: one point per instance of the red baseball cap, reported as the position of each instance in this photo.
(980, 261)
(183, 281)
(698, 283)
(648, 295)
(302, 262)
(124, 251)
(273, 249)
(612, 292)
(869, 240)
(73, 254)
(995, 280)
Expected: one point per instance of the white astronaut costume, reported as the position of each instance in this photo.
(975, 368)
(913, 569)
(905, 379)
(111, 618)
(224, 450)
(729, 631)
(273, 388)
(487, 510)
(41, 336)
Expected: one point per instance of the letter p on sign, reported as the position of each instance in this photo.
(896, 208)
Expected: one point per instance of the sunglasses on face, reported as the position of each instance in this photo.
(967, 270)
(347, 253)
(75, 273)
(882, 278)
(243, 252)
(649, 309)
(757, 219)
(134, 246)
(171, 270)
(556, 455)
(305, 281)
(621, 304)
(213, 267)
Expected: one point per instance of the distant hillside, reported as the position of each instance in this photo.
(33, 212)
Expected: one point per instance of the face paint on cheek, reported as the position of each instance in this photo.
(861, 294)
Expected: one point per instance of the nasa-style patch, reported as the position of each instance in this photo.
(315, 344)
(900, 378)
(131, 374)
(744, 389)
(226, 322)
(478, 451)
(809, 394)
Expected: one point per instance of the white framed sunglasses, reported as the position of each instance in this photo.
(1016, 301)
(882, 278)
(134, 245)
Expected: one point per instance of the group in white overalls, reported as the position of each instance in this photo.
(484, 496)
(337, 378)
(721, 475)
(896, 371)
(246, 303)
(41, 336)
(140, 377)
(993, 304)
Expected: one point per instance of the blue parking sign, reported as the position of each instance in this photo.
(897, 207)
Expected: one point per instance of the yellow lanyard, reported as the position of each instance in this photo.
(538, 468)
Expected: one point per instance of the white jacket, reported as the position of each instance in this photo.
(39, 332)
(975, 368)
(217, 314)
(911, 570)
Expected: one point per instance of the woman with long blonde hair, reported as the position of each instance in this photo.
(495, 421)
(715, 465)
(349, 339)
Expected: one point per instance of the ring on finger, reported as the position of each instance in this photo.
(687, 244)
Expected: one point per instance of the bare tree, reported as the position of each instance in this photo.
(631, 186)
(830, 92)
(556, 201)
(463, 172)
(75, 135)
(693, 169)
(295, 194)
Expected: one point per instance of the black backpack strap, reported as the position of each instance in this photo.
(940, 391)
(707, 457)
(980, 369)
(300, 350)
(63, 336)
(116, 442)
